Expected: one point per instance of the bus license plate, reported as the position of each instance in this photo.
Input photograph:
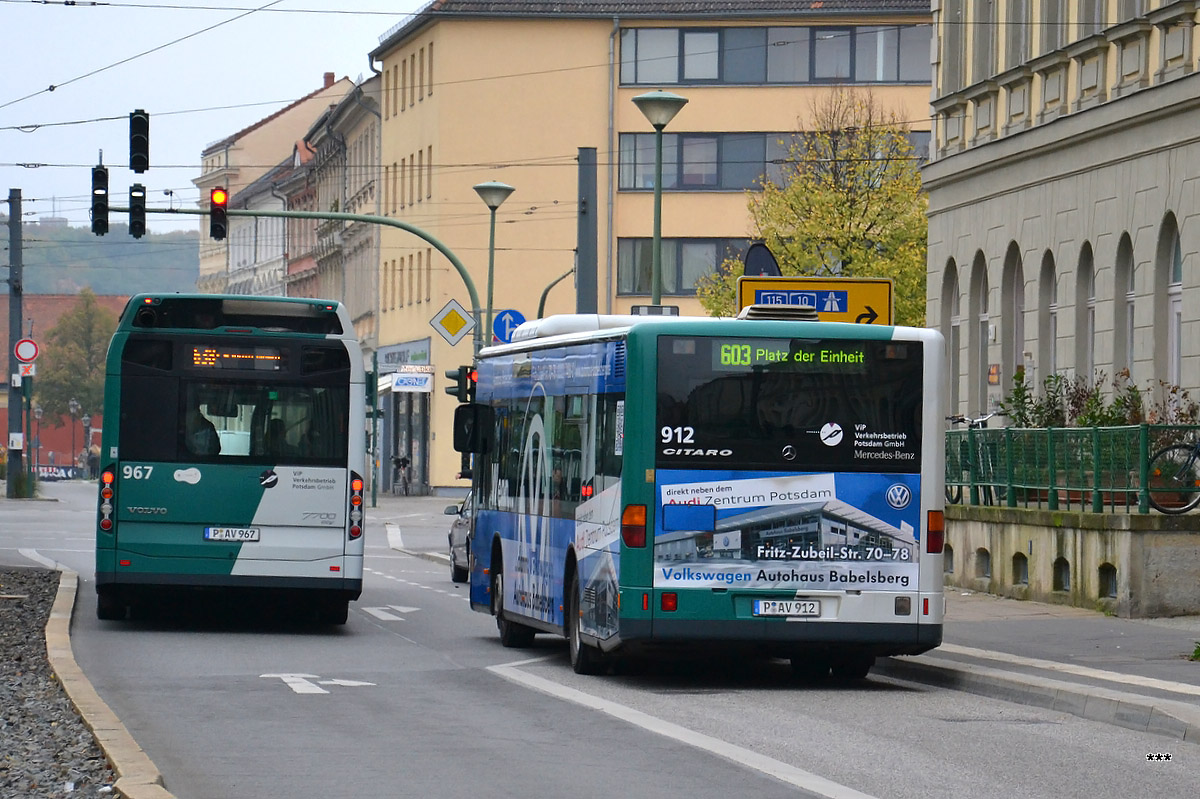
(787, 607)
(231, 533)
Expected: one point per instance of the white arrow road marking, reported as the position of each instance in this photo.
(299, 682)
(351, 683)
(395, 538)
(384, 615)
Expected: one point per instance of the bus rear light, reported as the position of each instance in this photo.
(354, 512)
(123, 563)
(356, 500)
(670, 601)
(633, 526)
(107, 477)
(335, 568)
(356, 485)
(645, 601)
(106, 524)
(925, 606)
(355, 531)
(935, 532)
(106, 493)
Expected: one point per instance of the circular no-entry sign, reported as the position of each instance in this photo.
(26, 350)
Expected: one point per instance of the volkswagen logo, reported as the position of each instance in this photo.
(898, 496)
(789, 453)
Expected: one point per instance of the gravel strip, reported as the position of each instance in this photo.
(45, 748)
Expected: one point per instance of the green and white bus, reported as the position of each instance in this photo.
(231, 455)
(763, 483)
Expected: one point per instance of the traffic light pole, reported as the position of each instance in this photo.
(369, 219)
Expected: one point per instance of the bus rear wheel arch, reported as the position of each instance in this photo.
(585, 659)
(512, 634)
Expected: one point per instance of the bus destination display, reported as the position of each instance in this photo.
(740, 355)
(252, 359)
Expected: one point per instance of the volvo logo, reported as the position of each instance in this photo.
(789, 453)
(146, 511)
(898, 496)
(268, 479)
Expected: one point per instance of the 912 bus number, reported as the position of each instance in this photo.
(678, 435)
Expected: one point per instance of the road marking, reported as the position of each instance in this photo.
(1070, 668)
(383, 613)
(301, 683)
(39, 558)
(805, 780)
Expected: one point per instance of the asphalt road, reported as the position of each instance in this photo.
(416, 697)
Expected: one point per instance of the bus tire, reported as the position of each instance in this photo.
(109, 608)
(853, 667)
(333, 611)
(585, 659)
(512, 635)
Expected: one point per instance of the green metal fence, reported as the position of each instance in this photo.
(1093, 469)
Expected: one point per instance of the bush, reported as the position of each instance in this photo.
(1082, 402)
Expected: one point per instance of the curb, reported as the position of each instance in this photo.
(1133, 711)
(137, 776)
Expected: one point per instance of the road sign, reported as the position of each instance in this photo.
(865, 300)
(453, 322)
(505, 323)
(27, 369)
(26, 350)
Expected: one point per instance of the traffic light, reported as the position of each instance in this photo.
(472, 381)
(137, 210)
(217, 223)
(460, 383)
(99, 200)
(139, 141)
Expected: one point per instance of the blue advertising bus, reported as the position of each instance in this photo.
(645, 482)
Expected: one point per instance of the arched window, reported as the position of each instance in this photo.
(1168, 302)
(1047, 362)
(952, 330)
(1085, 314)
(1123, 306)
(1012, 302)
(977, 365)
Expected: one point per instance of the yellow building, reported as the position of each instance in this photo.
(521, 92)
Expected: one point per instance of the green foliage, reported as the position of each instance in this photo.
(1196, 652)
(1082, 402)
(850, 205)
(72, 365)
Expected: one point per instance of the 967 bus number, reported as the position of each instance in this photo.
(136, 472)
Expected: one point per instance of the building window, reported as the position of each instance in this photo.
(420, 174)
(403, 167)
(419, 275)
(982, 333)
(428, 272)
(1085, 325)
(421, 81)
(1091, 17)
(953, 46)
(1012, 306)
(429, 172)
(1054, 24)
(684, 262)
(1175, 313)
(403, 83)
(983, 38)
(796, 54)
(387, 94)
(1123, 307)
(431, 68)
(952, 330)
(1016, 31)
(1047, 318)
(412, 80)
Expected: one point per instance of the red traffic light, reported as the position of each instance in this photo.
(219, 197)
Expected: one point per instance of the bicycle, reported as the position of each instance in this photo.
(1174, 474)
(986, 469)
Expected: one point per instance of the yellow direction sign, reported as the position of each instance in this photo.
(865, 300)
(453, 322)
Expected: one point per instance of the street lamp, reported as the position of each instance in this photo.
(87, 443)
(659, 108)
(73, 407)
(493, 195)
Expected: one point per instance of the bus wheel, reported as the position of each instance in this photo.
(810, 668)
(584, 659)
(333, 611)
(109, 608)
(512, 635)
(853, 667)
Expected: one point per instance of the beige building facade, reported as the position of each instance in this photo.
(237, 161)
(469, 96)
(1062, 194)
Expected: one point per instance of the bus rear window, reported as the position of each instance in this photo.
(151, 353)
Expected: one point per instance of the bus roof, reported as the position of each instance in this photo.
(214, 311)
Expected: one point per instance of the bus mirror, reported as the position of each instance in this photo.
(473, 428)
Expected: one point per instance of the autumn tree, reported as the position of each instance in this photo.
(72, 362)
(847, 202)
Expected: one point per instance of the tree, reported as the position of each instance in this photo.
(72, 364)
(849, 204)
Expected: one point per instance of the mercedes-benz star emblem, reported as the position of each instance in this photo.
(789, 453)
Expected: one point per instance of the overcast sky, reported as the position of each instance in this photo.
(209, 69)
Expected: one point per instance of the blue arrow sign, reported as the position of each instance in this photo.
(505, 323)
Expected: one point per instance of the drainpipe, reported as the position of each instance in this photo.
(283, 278)
(612, 148)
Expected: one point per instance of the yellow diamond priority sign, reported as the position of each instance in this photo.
(453, 322)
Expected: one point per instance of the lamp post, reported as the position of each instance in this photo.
(659, 108)
(73, 407)
(493, 195)
(86, 421)
(37, 442)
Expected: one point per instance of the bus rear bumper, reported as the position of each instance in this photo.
(784, 637)
(135, 582)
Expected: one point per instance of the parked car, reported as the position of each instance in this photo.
(460, 535)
